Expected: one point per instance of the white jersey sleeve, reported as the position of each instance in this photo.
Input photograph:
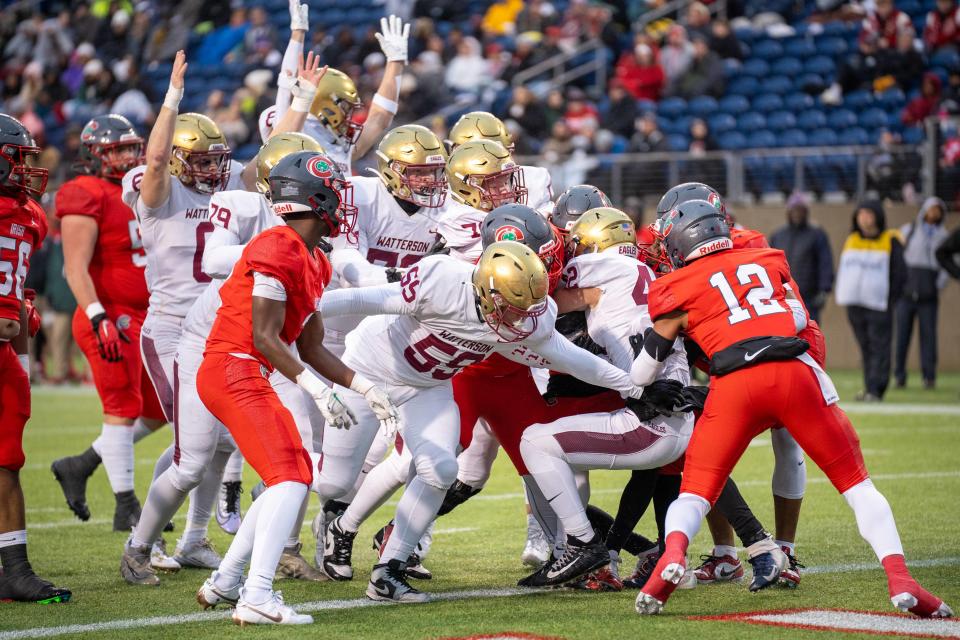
(268, 118)
(236, 216)
(459, 227)
(539, 189)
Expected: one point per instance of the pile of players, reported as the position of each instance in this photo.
(439, 310)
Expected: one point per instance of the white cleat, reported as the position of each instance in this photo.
(673, 573)
(228, 512)
(200, 555)
(209, 595)
(159, 559)
(647, 605)
(273, 611)
(536, 552)
(906, 601)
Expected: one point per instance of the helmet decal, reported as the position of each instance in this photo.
(714, 199)
(666, 225)
(320, 167)
(509, 232)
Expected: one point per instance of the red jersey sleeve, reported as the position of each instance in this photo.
(276, 255)
(78, 199)
(662, 298)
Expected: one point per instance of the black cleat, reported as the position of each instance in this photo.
(414, 565)
(388, 582)
(72, 473)
(167, 528)
(126, 515)
(338, 551)
(26, 586)
(579, 559)
(537, 578)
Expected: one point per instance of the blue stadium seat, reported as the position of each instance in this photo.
(911, 7)
(755, 67)
(768, 49)
(678, 142)
(860, 99)
(821, 65)
(761, 139)
(721, 123)
(792, 138)
(835, 28)
(873, 118)
(812, 119)
(781, 120)
(751, 121)
(732, 67)
(800, 48)
(854, 135)
(822, 138)
(798, 102)
(672, 107)
(947, 58)
(811, 83)
(680, 124)
(832, 46)
(744, 86)
(731, 140)
(702, 106)
(646, 106)
(894, 123)
(767, 102)
(734, 104)
(842, 118)
(787, 66)
(776, 84)
(912, 135)
(892, 98)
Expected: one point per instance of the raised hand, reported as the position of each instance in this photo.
(179, 70)
(298, 16)
(309, 69)
(393, 38)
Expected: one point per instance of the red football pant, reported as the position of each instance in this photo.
(124, 387)
(745, 403)
(238, 393)
(511, 403)
(14, 407)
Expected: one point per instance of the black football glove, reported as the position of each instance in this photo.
(665, 395)
(694, 398)
(394, 274)
(636, 342)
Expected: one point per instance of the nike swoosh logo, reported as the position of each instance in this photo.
(750, 356)
(553, 573)
(384, 591)
(726, 573)
(554, 497)
(266, 615)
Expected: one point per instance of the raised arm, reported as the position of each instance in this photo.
(299, 25)
(562, 355)
(393, 41)
(155, 186)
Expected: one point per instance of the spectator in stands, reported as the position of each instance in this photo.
(220, 42)
(870, 279)
(500, 18)
(468, 71)
(948, 254)
(114, 45)
(72, 76)
(677, 55)
(700, 139)
(886, 22)
(526, 54)
(857, 71)
(808, 253)
(900, 66)
(525, 109)
(555, 106)
(581, 116)
(228, 116)
(648, 136)
(893, 173)
(942, 28)
(924, 105)
(921, 295)
(622, 111)
(560, 143)
(260, 40)
(704, 77)
(698, 20)
(536, 15)
(639, 73)
(423, 90)
(724, 41)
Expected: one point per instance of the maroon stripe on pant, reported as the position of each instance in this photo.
(612, 443)
(176, 413)
(157, 376)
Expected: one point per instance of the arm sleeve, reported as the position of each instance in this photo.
(565, 357)
(351, 266)
(268, 287)
(824, 263)
(385, 299)
(221, 252)
(947, 254)
(291, 58)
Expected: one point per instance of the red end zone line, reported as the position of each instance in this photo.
(761, 618)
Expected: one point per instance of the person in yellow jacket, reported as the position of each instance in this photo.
(501, 17)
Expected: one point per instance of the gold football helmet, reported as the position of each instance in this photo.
(278, 147)
(336, 100)
(511, 285)
(602, 228)
(411, 162)
(483, 175)
(201, 156)
(480, 125)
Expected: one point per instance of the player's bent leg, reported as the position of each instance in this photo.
(344, 450)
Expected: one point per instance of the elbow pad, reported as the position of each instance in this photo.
(656, 346)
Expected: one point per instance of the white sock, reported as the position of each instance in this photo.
(162, 502)
(874, 519)
(281, 503)
(140, 430)
(557, 481)
(788, 545)
(163, 462)
(202, 499)
(381, 483)
(233, 472)
(685, 515)
(116, 451)
(238, 554)
(417, 509)
(298, 524)
(13, 538)
(721, 550)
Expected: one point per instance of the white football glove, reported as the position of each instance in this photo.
(393, 38)
(380, 403)
(334, 411)
(302, 92)
(298, 16)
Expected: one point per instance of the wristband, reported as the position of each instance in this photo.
(94, 309)
(24, 362)
(310, 383)
(386, 103)
(301, 104)
(172, 99)
(360, 384)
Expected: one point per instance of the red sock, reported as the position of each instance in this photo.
(900, 581)
(675, 553)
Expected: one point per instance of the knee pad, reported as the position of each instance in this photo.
(440, 472)
(790, 468)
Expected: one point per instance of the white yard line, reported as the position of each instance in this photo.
(894, 409)
(854, 621)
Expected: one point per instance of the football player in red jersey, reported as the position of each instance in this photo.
(104, 263)
(23, 226)
(270, 301)
(735, 305)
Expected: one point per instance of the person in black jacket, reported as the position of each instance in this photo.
(948, 254)
(808, 254)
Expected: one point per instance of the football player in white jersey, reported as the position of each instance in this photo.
(443, 315)
(483, 125)
(331, 114)
(607, 281)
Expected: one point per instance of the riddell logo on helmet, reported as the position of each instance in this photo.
(282, 207)
(717, 245)
(509, 232)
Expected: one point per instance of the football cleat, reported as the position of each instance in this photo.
(209, 595)
(603, 579)
(228, 507)
(136, 566)
(669, 572)
(767, 568)
(647, 605)
(719, 569)
(26, 586)
(328, 511)
(536, 551)
(72, 473)
(646, 562)
(790, 576)
(414, 565)
(578, 559)
(126, 514)
(337, 552)
(388, 582)
(273, 611)
(294, 565)
(200, 555)
(159, 559)
(908, 596)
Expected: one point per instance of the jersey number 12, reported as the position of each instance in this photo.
(758, 296)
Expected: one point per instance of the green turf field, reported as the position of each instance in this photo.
(912, 451)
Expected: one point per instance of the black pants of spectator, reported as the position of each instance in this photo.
(814, 312)
(926, 313)
(874, 333)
